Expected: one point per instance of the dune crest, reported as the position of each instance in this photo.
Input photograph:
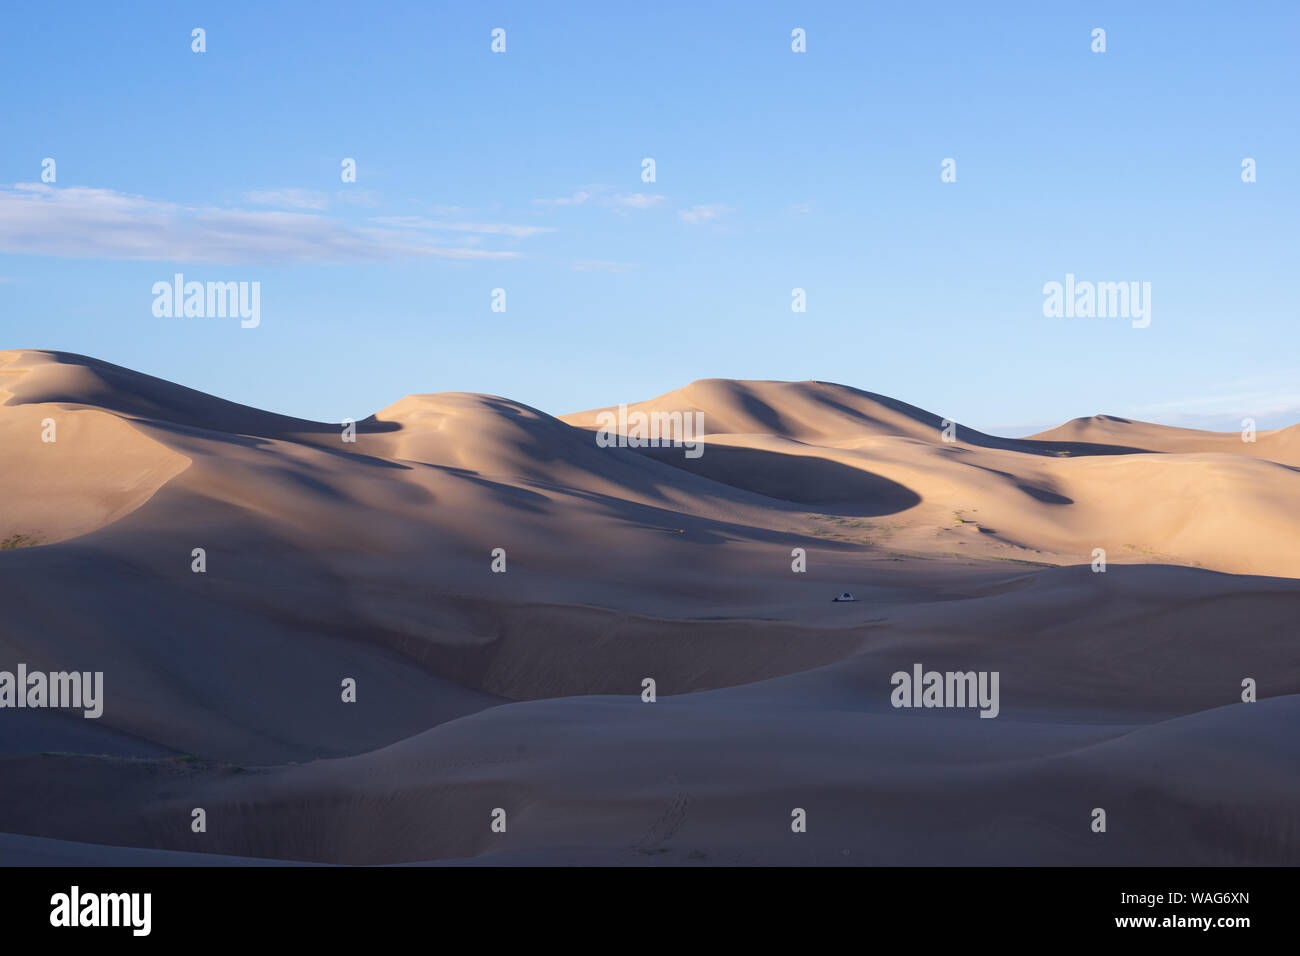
(97, 468)
(775, 453)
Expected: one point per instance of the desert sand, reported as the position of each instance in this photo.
(522, 690)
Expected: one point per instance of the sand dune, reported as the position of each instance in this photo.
(328, 559)
(1281, 445)
(1142, 493)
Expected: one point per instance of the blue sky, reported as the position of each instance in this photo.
(775, 170)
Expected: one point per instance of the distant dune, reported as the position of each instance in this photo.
(328, 559)
(1281, 445)
(1144, 493)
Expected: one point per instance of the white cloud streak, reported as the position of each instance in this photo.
(80, 222)
(604, 196)
(293, 198)
(597, 265)
(636, 200)
(698, 214)
(577, 199)
(483, 228)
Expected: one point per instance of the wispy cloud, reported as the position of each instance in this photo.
(484, 228)
(351, 196)
(605, 196)
(1265, 399)
(1223, 410)
(577, 199)
(1265, 419)
(596, 265)
(80, 222)
(697, 214)
(293, 198)
(636, 200)
(440, 210)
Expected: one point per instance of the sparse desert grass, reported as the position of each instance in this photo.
(1036, 564)
(960, 518)
(16, 541)
(850, 530)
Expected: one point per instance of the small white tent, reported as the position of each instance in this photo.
(846, 596)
